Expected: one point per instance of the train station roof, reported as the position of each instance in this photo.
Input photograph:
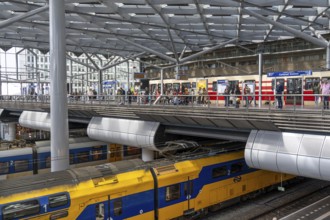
(163, 27)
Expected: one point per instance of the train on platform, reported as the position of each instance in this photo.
(82, 151)
(136, 190)
(299, 84)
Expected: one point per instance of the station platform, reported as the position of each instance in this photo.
(210, 117)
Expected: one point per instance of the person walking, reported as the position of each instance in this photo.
(325, 88)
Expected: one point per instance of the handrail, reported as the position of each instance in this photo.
(290, 101)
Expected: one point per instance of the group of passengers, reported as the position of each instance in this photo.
(322, 88)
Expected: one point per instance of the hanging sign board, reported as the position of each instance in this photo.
(290, 73)
(139, 75)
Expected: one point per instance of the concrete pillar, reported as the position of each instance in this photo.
(147, 155)
(58, 105)
(260, 78)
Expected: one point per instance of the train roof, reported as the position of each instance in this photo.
(75, 176)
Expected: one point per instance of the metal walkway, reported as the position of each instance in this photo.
(211, 117)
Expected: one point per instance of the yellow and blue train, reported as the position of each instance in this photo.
(135, 190)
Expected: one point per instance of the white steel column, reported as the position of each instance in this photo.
(128, 88)
(58, 105)
(115, 92)
(147, 155)
(260, 79)
(328, 58)
(71, 76)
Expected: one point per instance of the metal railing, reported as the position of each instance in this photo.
(268, 101)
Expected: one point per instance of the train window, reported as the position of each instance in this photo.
(4, 167)
(232, 84)
(236, 167)
(71, 159)
(20, 209)
(172, 192)
(168, 86)
(214, 86)
(58, 215)
(82, 157)
(249, 81)
(219, 171)
(21, 165)
(118, 207)
(99, 210)
(311, 82)
(188, 188)
(97, 154)
(176, 86)
(186, 85)
(48, 162)
(193, 85)
(58, 200)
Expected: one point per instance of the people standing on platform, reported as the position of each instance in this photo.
(325, 88)
(279, 92)
(199, 93)
(205, 99)
(247, 92)
(227, 93)
(316, 91)
(129, 96)
(237, 92)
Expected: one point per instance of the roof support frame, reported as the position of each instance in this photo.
(122, 61)
(81, 63)
(23, 16)
(148, 50)
(277, 18)
(114, 7)
(295, 32)
(168, 26)
(207, 51)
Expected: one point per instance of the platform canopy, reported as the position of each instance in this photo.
(163, 28)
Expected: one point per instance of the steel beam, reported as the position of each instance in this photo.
(23, 16)
(296, 33)
(149, 50)
(122, 61)
(207, 51)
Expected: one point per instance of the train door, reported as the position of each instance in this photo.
(294, 86)
(188, 190)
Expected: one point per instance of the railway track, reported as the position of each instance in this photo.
(275, 204)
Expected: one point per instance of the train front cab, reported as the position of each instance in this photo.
(53, 206)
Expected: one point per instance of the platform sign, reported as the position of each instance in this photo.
(140, 75)
(290, 73)
(222, 84)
